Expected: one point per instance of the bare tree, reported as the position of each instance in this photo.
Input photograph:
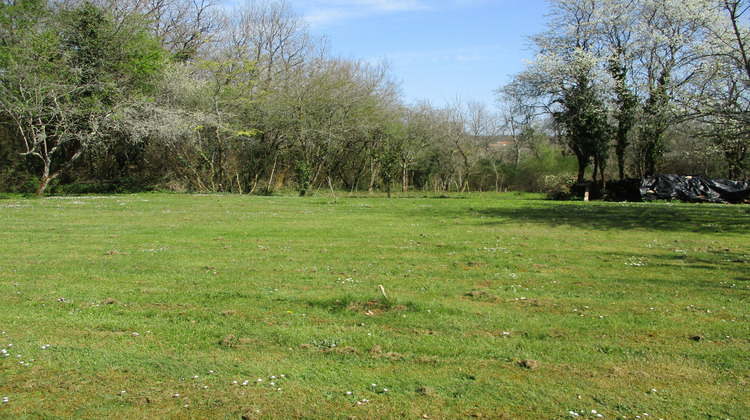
(273, 36)
(722, 87)
(467, 127)
(182, 26)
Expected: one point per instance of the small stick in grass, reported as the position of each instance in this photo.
(382, 290)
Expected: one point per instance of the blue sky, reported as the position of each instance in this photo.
(439, 50)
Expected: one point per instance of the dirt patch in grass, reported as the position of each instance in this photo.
(375, 307)
(481, 295)
(342, 350)
(231, 341)
(529, 364)
(426, 391)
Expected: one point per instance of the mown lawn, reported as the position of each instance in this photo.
(498, 306)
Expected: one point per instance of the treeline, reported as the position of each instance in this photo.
(186, 95)
(189, 95)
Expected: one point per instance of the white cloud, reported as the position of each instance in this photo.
(323, 17)
(391, 5)
(327, 12)
(474, 54)
(320, 13)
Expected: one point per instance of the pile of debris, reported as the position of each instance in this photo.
(694, 189)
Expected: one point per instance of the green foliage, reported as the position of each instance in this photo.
(388, 158)
(532, 174)
(66, 76)
(110, 97)
(125, 185)
(559, 187)
(626, 104)
(249, 133)
(17, 22)
(732, 139)
(584, 117)
(656, 120)
(16, 179)
(304, 175)
(109, 59)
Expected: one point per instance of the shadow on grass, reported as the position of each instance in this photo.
(697, 218)
(707, 261)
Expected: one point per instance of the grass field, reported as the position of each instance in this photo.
(501, 306)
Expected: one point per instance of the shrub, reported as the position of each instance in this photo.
(623, 190)
(559, 187)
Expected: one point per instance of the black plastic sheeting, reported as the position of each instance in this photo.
(694, 189)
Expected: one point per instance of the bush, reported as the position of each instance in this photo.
(623, 190)
(559, 187)
(122, 185)
(15, 180)
(533, 172)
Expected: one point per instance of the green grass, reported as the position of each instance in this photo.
(497, 306)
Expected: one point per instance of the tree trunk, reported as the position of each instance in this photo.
(582, 164)
(239, 184)
(497, 176)
(651, 155)
(46, 178)
(595, 171)
(43, 182)
(373, 176)
(255, 184)
(621, 163)
(405, 179)
(270, 178)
